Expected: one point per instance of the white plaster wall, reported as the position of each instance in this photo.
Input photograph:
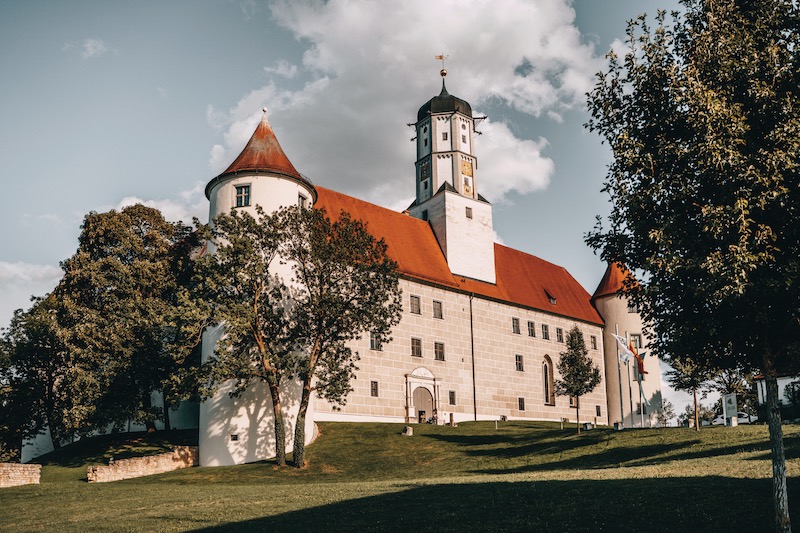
(442, 124)
(442, 170)
(269, 191)
(249, 417)
(614, 310)
(470, 241)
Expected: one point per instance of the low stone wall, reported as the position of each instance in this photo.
(180, 457)
(15, 474)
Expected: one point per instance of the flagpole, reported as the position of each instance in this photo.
(630, 387)
(641, 394)
(619, 380)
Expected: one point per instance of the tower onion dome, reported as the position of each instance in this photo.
(262, 155)
(444, 103)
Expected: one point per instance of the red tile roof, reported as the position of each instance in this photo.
(612, 281)
(263, 153)
(522, 279)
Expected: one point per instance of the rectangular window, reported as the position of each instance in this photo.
(636, 340)
(464, 139)
(521, 402)
(416, 347)
(559, 335)
(437, 309)
(632, 307)
(641, 409)
(469, 212)
(452, 397)
(545, 332)
(438, 351)
(519, 363)
(597, 410)
(301, 200)
(515, 325)
(572, 401)
(531, 329)
(242, 195)
(444, 135)
(373, 389)
(593, 342)
(415, 305)
(374, 342)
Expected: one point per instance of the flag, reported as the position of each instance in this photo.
(625, 354)
(639, 367)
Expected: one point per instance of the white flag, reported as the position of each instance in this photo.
(625, 354)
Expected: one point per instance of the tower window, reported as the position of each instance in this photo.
(521, 402)
(452, 397)
(242, 195)
(425, 185)
(374, 342)
(597, 410)
(301, 200)
(373, 389)
(425, 142)
(425, 214)
(444, 135)
(469, 212)
(463, 126)
(464, 139)
(519, 363)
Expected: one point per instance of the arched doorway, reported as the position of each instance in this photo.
(423, 403)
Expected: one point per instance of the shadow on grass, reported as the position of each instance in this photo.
(696, 504)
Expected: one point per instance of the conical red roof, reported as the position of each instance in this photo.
(262, 154)
(612, 282)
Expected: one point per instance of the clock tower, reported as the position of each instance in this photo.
(446, 186)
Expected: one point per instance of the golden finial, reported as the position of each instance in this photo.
(442, 57)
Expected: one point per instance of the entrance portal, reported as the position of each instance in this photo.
(423, 402)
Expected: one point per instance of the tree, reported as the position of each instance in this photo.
(42, 385)
(256, 309)
(736, 381)
(579, 375)
(347, 286)
(118, 307)
(703, 119)
(666, 413)
(690, 376)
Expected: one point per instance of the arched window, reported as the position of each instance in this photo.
(549, 386)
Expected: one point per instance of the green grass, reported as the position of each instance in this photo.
(521, 476)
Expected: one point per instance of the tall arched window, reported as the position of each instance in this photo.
(549, 386)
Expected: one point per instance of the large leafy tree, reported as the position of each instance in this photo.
(118, 308)
(579, 375)
(42, 386)
(256, 309)
(346, 286)
(703, 119)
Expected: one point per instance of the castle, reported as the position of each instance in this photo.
(482, 325)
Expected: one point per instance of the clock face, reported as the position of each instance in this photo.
(425, 170)
(466, 168)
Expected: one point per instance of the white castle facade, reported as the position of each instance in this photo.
(482, 326)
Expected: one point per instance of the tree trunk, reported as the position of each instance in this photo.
(167, 425)
(578, 414)
(149, 424)
(696, 415)
(779, 494)
(280, 429)
(300, 424)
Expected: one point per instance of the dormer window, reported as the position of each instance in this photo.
(242, 195)
(551, 298)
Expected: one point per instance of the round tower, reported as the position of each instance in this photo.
(628, 404)
(261, 175)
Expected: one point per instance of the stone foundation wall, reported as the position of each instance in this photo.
(15, 474)
(180, 457)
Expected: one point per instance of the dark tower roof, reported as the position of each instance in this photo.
(612, 282)
(262, 154)
(444, 103)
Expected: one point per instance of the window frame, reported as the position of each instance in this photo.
(531, 328)
(374, 390)
(451, 396)
(545, 332)
(519, 362)
(438, 310)
(414, 302)
(515, 326)
(242, 195)
(521, 404)
(438, 351)
(416, 343)
(560, 335)
(374, 342)
(593, 341)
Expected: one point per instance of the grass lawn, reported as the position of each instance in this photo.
(522, 476)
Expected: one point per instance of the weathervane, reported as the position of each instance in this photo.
(442, 57)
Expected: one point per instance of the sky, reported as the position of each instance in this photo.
(108, 103)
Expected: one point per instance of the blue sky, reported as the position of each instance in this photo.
(109, 103)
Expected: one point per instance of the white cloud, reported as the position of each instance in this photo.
(190, 203)
(93, 48)
(19, 281)
(371, 66)
(283, 68)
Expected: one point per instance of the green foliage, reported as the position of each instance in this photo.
(579, 375)
(666, 413)
(118, 311)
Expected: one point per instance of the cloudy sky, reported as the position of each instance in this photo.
(107, 103)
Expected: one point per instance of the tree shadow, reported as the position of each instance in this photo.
(635, 505)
